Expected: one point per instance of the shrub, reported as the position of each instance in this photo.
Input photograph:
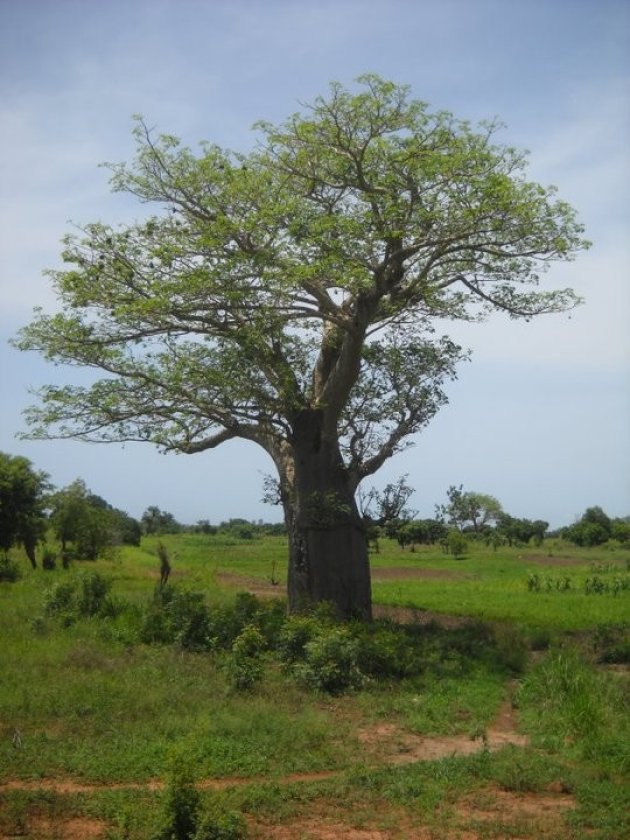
(49, 559)
(389, 652)
(331, 662)
(297, 631)
(9, 570)
(230, 826)
(225, 623)
(182, 818)
(456, 543)
(83, 596)
(177, 616)
(181, 807)
(245, 665)
(92, 594)
(59, 598)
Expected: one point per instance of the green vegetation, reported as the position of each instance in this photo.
(303, 284)
(111, 680)
(22, 494)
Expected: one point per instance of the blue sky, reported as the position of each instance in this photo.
(541, 416)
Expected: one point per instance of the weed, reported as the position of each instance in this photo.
(295, 634)
(523, 770)
(82, 596)
(181, 805)
(9, 570)
(49, 559)
(331, 662)
(245, 665)
(230, 826)
(177, 616)
(611, 642)
(183, 818)
(569, 706)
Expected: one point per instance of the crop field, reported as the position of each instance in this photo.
(488, 699)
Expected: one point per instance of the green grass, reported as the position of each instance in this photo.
(92, 704)
(493, 586)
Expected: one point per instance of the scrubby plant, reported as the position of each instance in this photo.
(177, 616)
(612, 643)
(567, 704)
(181, 806)
(9, 569)
(455, 543)
(92, 594)
(331, 662)
(49, 559)
(388, 651)
(297, 631)
(182, 815)
(245, 665)
(83, 596)
(229, 826)
(59, 598)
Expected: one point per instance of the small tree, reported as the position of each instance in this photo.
(379, 507)
(470, 510)
(455, 543)
(593, 528)
(289, 298)
(520, 531)
(156, 521)
(89, 523)
(22, 504)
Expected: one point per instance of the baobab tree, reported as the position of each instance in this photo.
(289, 297)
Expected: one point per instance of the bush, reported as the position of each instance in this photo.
(92, 596)
(245, 666)
(181, 807)
(456, 543)
(389, 652)
(9, 570)
(83, 596)
(182, 820)
(230, 826)
(59, 598)
(297, 631)
(331, 662)
(177, 617)
(49, 559)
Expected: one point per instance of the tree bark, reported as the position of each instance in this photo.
(29, 549)
(328, 557)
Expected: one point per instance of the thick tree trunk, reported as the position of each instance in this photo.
(328, 557)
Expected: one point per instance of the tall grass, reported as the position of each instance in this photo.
(569, 706)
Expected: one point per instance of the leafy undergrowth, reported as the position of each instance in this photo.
(301, 727)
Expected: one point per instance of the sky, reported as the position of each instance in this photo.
(540, 417)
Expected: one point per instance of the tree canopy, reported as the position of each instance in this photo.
(22, 504)
(467, 509)
(290, 297)
(89, 523)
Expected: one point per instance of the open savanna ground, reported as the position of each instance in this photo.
(488, 700)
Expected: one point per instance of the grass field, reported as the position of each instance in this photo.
(504, 712)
